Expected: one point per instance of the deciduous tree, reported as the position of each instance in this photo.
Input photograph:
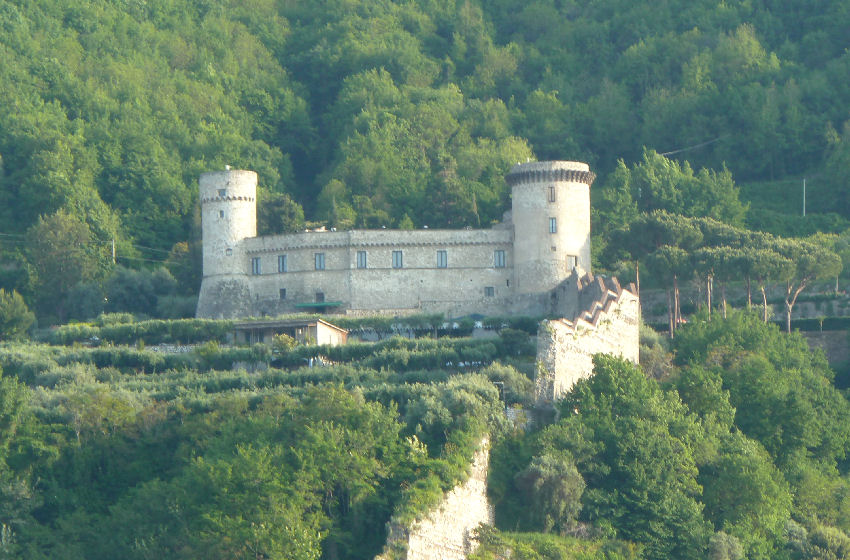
(63, 252)
(15, 316)
(810, 262)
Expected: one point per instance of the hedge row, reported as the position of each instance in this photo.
(156, 331)
(828, 324)
(122, 330)
(805, 325)
(400, 354)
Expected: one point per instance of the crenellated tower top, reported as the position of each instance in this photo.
(550, 172)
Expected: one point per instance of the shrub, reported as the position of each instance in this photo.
(176, 307)
(15, 316)
(516, 342)
(283, 343)
(105, 319)
(119, 328)
(85, 301)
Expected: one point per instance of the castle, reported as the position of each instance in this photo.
(535, 262)
(517, 267)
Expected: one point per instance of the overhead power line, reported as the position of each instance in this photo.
(150, 249)
(694, 147)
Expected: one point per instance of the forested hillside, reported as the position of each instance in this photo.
(364, 112)
(737, 448)
(728, 444)
(117, 451)
(701, 119)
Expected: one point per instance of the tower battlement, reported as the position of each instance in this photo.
(550, 172)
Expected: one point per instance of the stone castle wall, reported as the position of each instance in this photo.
(608, 324)
(833, 344)
(439, 269)
(446, 532)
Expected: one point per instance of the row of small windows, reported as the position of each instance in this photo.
(499, 261)
(489, 291)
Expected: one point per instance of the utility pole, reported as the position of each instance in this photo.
(113, 250)
(804, 196)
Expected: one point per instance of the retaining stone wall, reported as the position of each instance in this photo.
(446, 532)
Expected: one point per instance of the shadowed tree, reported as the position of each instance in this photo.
(746, 496)
(63, 252)
(553, 487)
(15, 316)
(278, 213)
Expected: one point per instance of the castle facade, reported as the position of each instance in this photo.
(520, 266)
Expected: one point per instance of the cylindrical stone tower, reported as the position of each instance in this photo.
(228, 216)
(551, 216)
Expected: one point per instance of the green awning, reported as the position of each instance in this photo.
(319, 304)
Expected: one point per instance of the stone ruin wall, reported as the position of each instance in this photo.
(446, 533)
(608, 324)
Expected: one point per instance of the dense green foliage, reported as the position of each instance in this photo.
(119, 451)
(398, 114)
(15, 317)
(496, 545)
(116, 451)
(731, 443)
(740, 453)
